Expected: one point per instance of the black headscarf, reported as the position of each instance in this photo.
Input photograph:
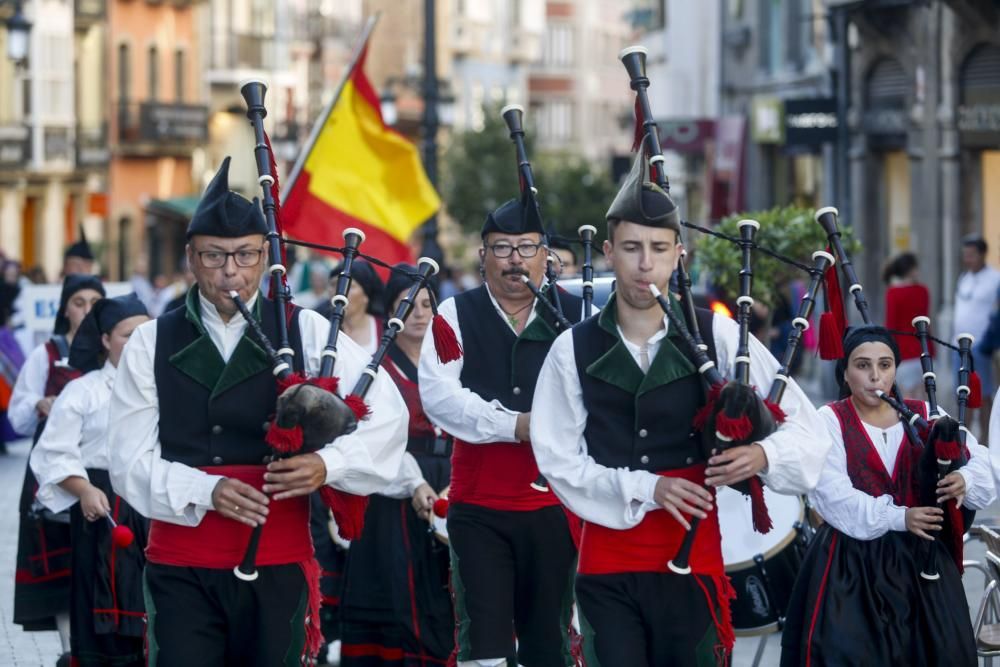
(87, 351)
(400, 280)
(364, 274)
(856, 336)
(72, 284)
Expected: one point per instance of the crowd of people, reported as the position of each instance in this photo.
(514, 483)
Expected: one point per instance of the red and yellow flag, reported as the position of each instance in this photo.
(359, 173)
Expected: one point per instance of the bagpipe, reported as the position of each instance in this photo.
(940, 439)
(513, 117)
(734, 414)
(309, 412)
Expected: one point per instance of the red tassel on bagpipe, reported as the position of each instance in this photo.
(284, 440)
(701, 417)
(975, 391)
(833, 322)
(640, 129)
(445, 341)
(357, 406)
(348, 511)
(314, 630)
(733, 428)
(776, 412)
(758, 507)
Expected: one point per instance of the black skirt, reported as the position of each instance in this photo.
(863, 602)
(397, 609)
(107, 613)
(41, 580)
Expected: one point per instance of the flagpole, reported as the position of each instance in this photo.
(289, 182)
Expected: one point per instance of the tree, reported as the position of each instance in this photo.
(789, 231)
(480, 173)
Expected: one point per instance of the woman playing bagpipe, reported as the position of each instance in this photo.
(70, 461)
(396, 607)
(866, 593)
(41, 584)
(197, 417)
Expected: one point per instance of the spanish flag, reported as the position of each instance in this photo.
(358, 172)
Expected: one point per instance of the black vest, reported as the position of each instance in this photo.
(637, 421)
(212, 412)
(506, 365)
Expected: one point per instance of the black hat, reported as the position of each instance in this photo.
(643, 202)
(400, 280)
(364, 274)
(87, 349)
(222, 212)
(80, 249)
(72, 284)
(515, 217)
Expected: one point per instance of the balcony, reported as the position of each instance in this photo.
(155, 128)
(92, 149)
(15, 147)
(231, 51)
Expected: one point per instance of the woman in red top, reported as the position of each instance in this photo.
(905, 298)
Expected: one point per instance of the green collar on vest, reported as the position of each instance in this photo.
(618, 367)
(202, 362)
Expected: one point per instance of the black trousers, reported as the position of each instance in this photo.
(647, 619)
(201, 617)
(512, 575)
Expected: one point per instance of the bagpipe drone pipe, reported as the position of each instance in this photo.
(309, 412)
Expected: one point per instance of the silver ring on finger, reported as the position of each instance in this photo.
(236, 508)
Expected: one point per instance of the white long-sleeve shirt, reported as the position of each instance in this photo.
(75, 437)
(619, 498)
(361, 463)
(28, 390)
(454, 408)
(866, 517)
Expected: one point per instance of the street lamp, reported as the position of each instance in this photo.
(18, 28)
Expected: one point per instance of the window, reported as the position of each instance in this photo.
(154, 72)
(558, 45)
(124, 72)
(771, 47)
(179, 76)
(555, 121)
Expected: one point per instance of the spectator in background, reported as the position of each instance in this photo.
(315, 292)
(362, 321)
(36, 275)
(78, 257)
(905, 298)
(11, 356)
(975, 300)
(566, 267)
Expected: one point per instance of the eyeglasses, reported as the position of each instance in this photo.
(505, 250)
(216, 259)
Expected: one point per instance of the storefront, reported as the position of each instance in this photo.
(979, 132)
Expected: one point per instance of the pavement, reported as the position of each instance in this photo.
(19, 648)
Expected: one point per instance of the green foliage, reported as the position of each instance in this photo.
(789, 231)
(479, 172)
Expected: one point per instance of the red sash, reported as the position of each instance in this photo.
(650, 545)
(218, 542)
(498, 476)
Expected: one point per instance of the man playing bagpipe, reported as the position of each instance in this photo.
(190, 410)
(511, 542)
(612, 430)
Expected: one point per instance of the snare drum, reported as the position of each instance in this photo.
(762, 567)
(439, 525)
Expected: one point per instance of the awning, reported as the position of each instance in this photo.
(176, 208)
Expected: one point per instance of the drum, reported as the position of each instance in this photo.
(439, 524)
(762, 568)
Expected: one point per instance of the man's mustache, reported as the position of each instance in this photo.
(515, 271)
